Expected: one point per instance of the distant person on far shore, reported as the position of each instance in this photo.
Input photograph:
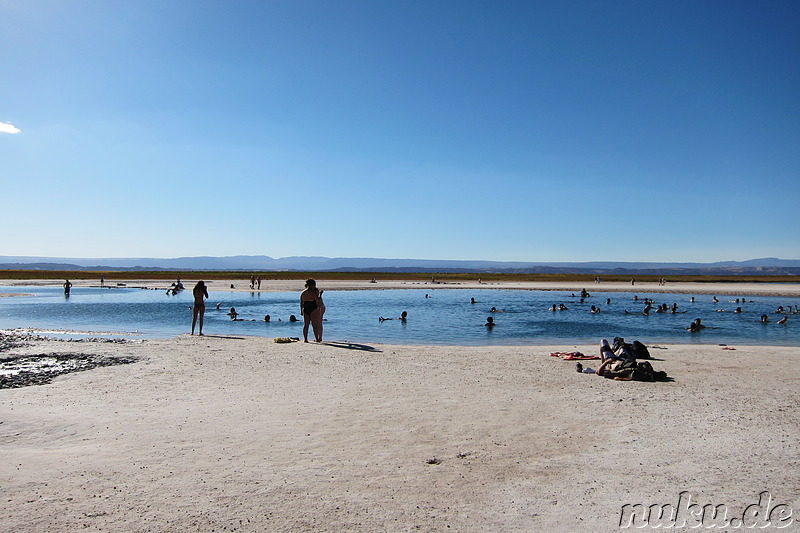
(199, 308)
(67, 287)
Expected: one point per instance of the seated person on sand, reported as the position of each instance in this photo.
(489, 322)
(607, 352)
(695, 326)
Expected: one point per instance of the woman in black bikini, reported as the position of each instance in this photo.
(311, 309)
(199, 308)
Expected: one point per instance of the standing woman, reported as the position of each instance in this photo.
(199, 308)
(311, 308)
(318, 330)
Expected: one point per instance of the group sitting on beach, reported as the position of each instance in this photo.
(619, 361)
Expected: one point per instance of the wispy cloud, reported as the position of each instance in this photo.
(7, 127)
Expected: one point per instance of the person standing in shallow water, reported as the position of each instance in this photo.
(311, 309)
(199, 308)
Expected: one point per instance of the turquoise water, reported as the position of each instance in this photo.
(446, 316)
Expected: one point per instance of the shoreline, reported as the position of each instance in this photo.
(291, 285)
(241, 433)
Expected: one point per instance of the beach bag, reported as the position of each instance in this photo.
(640, 350)
(644, 372)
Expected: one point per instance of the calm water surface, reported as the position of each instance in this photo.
(445, 316)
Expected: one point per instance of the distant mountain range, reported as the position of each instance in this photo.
(256, 263)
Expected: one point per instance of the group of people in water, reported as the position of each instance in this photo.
(651, 306)
(312, 309)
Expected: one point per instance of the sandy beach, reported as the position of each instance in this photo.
(243, 434)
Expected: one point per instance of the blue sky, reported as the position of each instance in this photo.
(518, 131)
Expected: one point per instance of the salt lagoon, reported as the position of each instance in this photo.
(436, 316)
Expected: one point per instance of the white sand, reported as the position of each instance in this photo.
(243, 434)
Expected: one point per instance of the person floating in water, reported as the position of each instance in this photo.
(232, 313)
(199, 308)
(402, 318)
(489, 322)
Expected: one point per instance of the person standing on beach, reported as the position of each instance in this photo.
(311, 309)
(199, 309)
